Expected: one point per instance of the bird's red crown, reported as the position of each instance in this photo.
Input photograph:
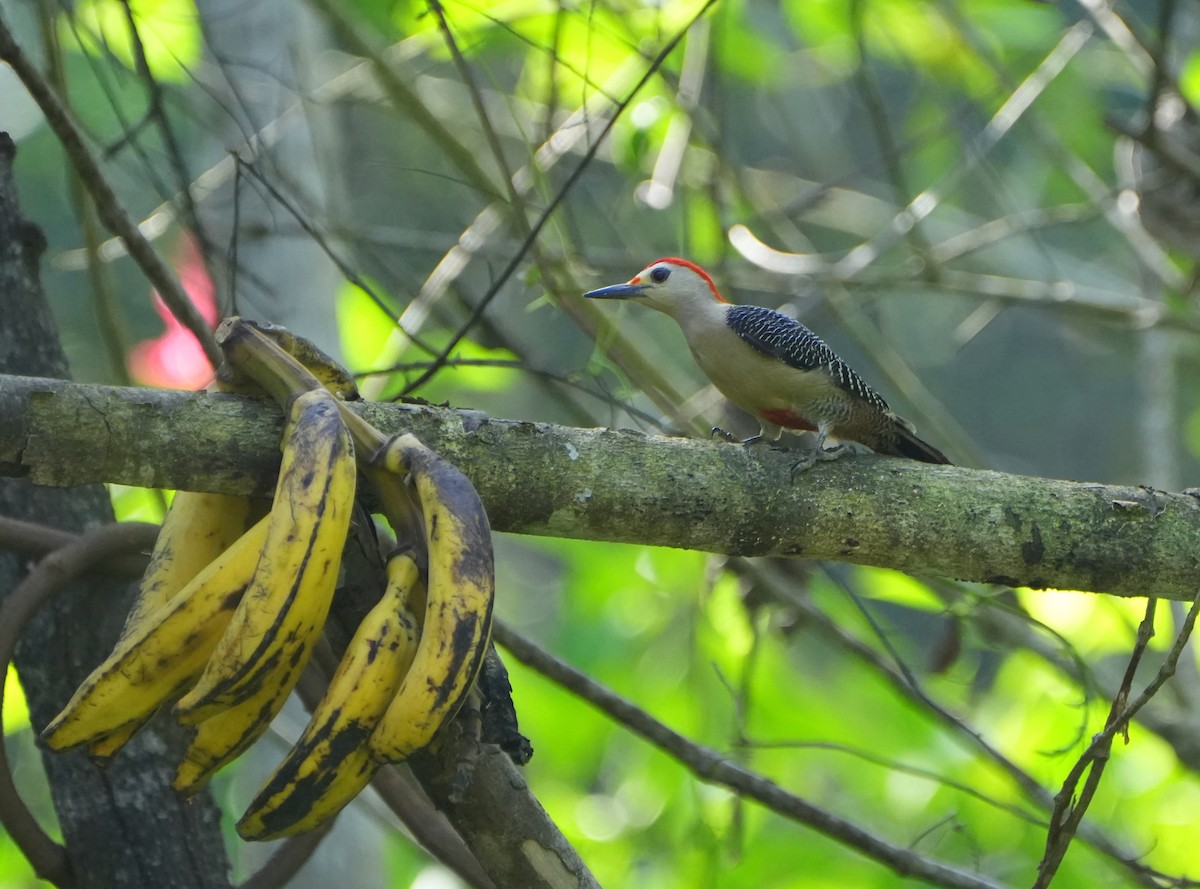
(675, 260)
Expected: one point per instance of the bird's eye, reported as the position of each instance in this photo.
(660, 274)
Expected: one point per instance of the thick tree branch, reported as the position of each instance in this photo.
(620, 486)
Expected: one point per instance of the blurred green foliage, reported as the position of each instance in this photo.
(1027, 321)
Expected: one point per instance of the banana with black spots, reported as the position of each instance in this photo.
(165, 654)
(458, 611)
(226, 734)
(271, 636)
(196, 530)
(331, 762)
(261, 357)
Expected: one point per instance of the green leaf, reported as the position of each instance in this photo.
(365, 329)
(1189, 79)
(137, 504)
(16, 710)
(168, 29)
(900, 588)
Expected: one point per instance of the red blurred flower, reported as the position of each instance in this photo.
(175, 360)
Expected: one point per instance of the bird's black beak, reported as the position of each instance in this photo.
(617, 291)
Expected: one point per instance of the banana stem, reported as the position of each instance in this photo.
(248, 351)
(265, 362)
(403, 514)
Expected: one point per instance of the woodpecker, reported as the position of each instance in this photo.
(771, 365)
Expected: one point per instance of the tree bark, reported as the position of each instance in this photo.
(123, 826)
(607, 485)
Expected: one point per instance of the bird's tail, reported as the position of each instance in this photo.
(907, 444)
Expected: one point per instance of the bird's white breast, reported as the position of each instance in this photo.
(754, 381)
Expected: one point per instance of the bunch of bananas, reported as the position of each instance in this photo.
(234, 601)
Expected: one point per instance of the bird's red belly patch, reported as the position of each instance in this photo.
(788, 419)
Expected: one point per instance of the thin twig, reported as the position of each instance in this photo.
(157, 112)
(286, 861)
(404, 98)
(709, 765)
(322, 242)
(108, 207)
(901, 678)
(40, 540)
(48, 858)
(523, 367)
(1066, 817)
(485, 122)
(971, 790)
(906, 684)
(559, 196)
(1063, 156)
(103, 289)
(892, 158)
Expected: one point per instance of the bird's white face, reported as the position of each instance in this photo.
(674, 286)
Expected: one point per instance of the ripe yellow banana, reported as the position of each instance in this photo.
(197, 529)
(264, 358)
(225, 735)
(279, 619)
(164, 654)
(331, 762)
(458, 612)
(101, 750)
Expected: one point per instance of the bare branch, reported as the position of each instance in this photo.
(1069, 811)
(712, 766)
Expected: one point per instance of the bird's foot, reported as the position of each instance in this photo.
(816, 455)
(729, 436)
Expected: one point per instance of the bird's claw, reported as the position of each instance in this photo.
(729, 436)
(816, 455)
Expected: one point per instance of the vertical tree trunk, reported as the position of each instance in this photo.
(123, 826)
